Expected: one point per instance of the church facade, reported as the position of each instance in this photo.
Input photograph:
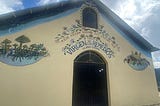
(74, 53)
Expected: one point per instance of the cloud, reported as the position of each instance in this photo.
(141, 15)
(10, 5)
(156, 59)
(156, 64)
(43, 2)
(136, 12)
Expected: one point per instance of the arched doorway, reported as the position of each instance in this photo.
(89, 80)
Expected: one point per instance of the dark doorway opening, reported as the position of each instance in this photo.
(89, 80)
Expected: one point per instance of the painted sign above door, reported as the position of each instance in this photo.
(21, 54)
(85, 38)
(84, 42)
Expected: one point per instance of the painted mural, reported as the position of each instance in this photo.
(136, 62)
(20, 54)
(87, 38)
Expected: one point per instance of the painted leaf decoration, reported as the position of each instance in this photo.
(136, 62)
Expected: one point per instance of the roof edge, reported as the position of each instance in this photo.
(23, 16)
(125, 28)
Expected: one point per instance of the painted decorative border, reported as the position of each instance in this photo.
(87, 37)
(78, 29)
(21, 54)
(136, 62)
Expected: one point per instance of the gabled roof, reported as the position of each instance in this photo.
(22, 17)
(130, 33)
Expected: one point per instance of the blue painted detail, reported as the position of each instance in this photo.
(139, 67)
(18, 62)
(21, 53)
(19, 20)
(20, 27)
(136, 62)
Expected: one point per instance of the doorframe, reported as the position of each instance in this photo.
(107, 74)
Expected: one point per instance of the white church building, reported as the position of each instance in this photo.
(74, 53)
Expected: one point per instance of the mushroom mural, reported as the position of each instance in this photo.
(136, 62)
(21, 54)
(22, 39)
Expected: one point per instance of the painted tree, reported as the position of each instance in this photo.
(22, 39)
(6, 45)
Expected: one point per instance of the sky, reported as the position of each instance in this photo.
(141, 15)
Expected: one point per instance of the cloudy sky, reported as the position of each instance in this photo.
(141, 15)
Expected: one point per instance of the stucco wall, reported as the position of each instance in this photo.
(48, 82)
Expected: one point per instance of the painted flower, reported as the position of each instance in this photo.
(136, 62)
